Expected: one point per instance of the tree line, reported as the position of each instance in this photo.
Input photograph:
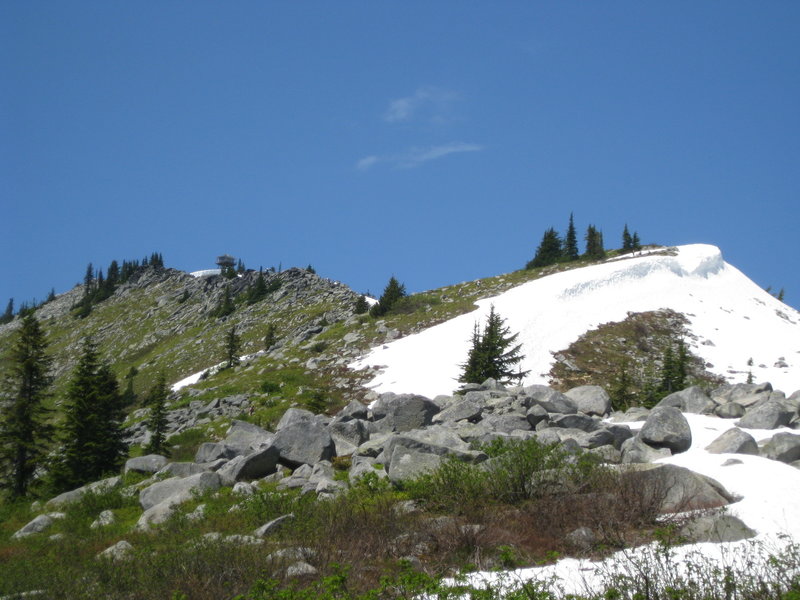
(557, 249)
(90, 435)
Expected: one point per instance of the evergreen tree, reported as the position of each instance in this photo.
(24, 431)
(88, 280)
(112, 449)
(549, 251)
(393, 291)
(92, 429)
(259, 289)
(571, 242)
(112, 276)
(129, 396)
(240, 267)
(310, 269)
(627, 240)
(750, 370)
(8, 315)
(622, 396)
(157, 421)
(52, 295)
(491, 354)
(225, 306)
(233, 344)
(361, 305)
(636, 245)
(594, 244)
(269, 336)
(674, 368)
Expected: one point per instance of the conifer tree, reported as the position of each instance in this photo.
(750, 370)
(310, 269)
(92, 430)
(627, 240)
(259, 289)
(157, 420)
(24, 431)
(129, 396)
(233, 344)
(674, 368)
(8, 315)
(571, 242)
(269, 336)
(393, 291)
(594, 244)
(549, 251)
(491, 354)
(622, 396)
(225, 306)
(361, 305)
(636, 245)
(240, 267)
(52, 295)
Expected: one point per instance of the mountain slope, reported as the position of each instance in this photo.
(730, 319)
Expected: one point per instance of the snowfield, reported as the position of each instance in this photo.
(731, 320)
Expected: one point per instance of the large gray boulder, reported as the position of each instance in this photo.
(666, 427)
(549, 399)
(152, 463)
(304, 443)
(122, 550)
(95, 487)
(590, 400)
(177, 489)
(716, 529)
(182, 469)
(673, 489)
(634, 450)
(410, 411)
(506, 423)
(784, 447)
(730, 410)
(691, 400)
(244, 438)
(746, 394)
(38, 525)
(575, 421)
(460, 410)
(415, 452)
(293, 416)
(767, 415)
(354, 410)
(253, 466)
(734, 441)
(211, 451)
(348, 435)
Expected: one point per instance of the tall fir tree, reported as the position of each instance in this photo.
(492, 355)
(549, 251)
(8, 315)
(393, 291)
(259, 289)
(636, 245)
(92, 432)
(571, 242)
(361, 305)
(24, 430)
(157, 420)
(594, 244)
(627, 240)
(233, 344)
(225, 306)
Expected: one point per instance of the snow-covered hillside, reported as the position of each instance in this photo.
(731, 318)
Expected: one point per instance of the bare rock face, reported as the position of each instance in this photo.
(691, 400)
(666, 427)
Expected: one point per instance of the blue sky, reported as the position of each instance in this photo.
(435, 141)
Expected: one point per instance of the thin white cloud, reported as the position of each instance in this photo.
(367, 162)
(415, 157)
(434, 102)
